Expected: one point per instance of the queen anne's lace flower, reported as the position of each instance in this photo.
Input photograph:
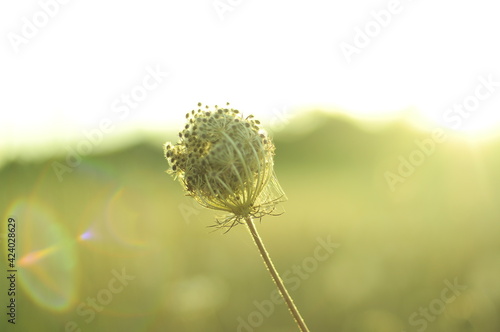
(225, 162)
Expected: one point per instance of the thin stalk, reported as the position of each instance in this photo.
(276, 277)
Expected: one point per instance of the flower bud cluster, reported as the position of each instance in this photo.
(225, 161)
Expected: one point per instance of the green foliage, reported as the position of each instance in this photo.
(397, 248)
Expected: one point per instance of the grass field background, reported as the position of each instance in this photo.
(397, 251)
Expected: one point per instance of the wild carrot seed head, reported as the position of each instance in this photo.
(225, 162)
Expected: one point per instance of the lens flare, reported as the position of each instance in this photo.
(35, 256)
(124, 218)
(85, 236)
(46, 266)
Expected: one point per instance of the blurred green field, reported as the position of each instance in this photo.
(398, 251)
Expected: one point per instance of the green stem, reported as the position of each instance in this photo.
(276, 277)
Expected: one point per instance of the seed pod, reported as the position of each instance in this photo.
(228, 165)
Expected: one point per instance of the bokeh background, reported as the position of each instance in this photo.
(107, 241)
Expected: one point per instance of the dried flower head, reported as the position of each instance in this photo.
(225, 162)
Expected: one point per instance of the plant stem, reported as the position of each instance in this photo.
(276, 277)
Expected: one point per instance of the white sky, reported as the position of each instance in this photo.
(265, 57)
